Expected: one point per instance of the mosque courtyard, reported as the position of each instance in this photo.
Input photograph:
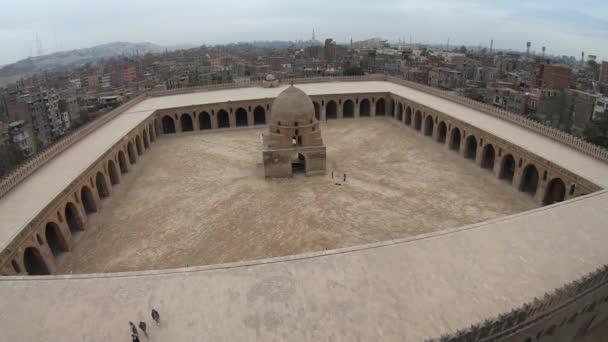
(202, 198)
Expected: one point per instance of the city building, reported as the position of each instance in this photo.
(19, 137)
(556, 77)
(604, 72)
(48, 122)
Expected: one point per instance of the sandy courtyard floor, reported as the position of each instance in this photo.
(202, 199)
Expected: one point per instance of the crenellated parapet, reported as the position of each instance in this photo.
(559, 313)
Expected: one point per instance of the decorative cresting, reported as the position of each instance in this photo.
(556, 314)
(293, 143)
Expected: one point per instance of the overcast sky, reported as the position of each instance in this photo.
(564, 27)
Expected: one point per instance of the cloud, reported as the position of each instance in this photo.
(563, 26)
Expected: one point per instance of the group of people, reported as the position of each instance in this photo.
(142, 326)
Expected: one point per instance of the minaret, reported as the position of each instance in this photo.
(313, 37)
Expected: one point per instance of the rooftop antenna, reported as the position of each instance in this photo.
(583, 58)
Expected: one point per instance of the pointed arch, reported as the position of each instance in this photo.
(72, 217)
(101, 185)
(122, 162)
(400, 112)
(380, 107)
(34, 262)
(331, 110)
(428, 126)
(223, 119)
(151, 133)
(113, 172)
(204, 120)
(88, 201)
(442, 132)
(364, 108)
(241, 117)
(140, 150)
(348, 109)
(185, 121)
(488, 155)
(408, 116)
(55, 239)
(259, 115)
(470, 150)
(418, 121)
(455, 139)
(529, 180)
(145, 135)
(168, 125)
(555, 191)
(131, 152)
(507, 168)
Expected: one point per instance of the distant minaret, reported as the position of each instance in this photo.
(351, 43)
(313, 37)
(491, 45)
(583, 58)
(528, 44)
(544, 49)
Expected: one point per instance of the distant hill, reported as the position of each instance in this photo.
(58, 60)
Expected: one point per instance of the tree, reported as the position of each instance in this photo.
(353, 71)
(463, 49)
(596, 131)
(10, 157)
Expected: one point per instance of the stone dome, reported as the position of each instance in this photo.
(291, 106)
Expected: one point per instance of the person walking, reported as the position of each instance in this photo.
(142, 327)
(133, 328)
(155, 316)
